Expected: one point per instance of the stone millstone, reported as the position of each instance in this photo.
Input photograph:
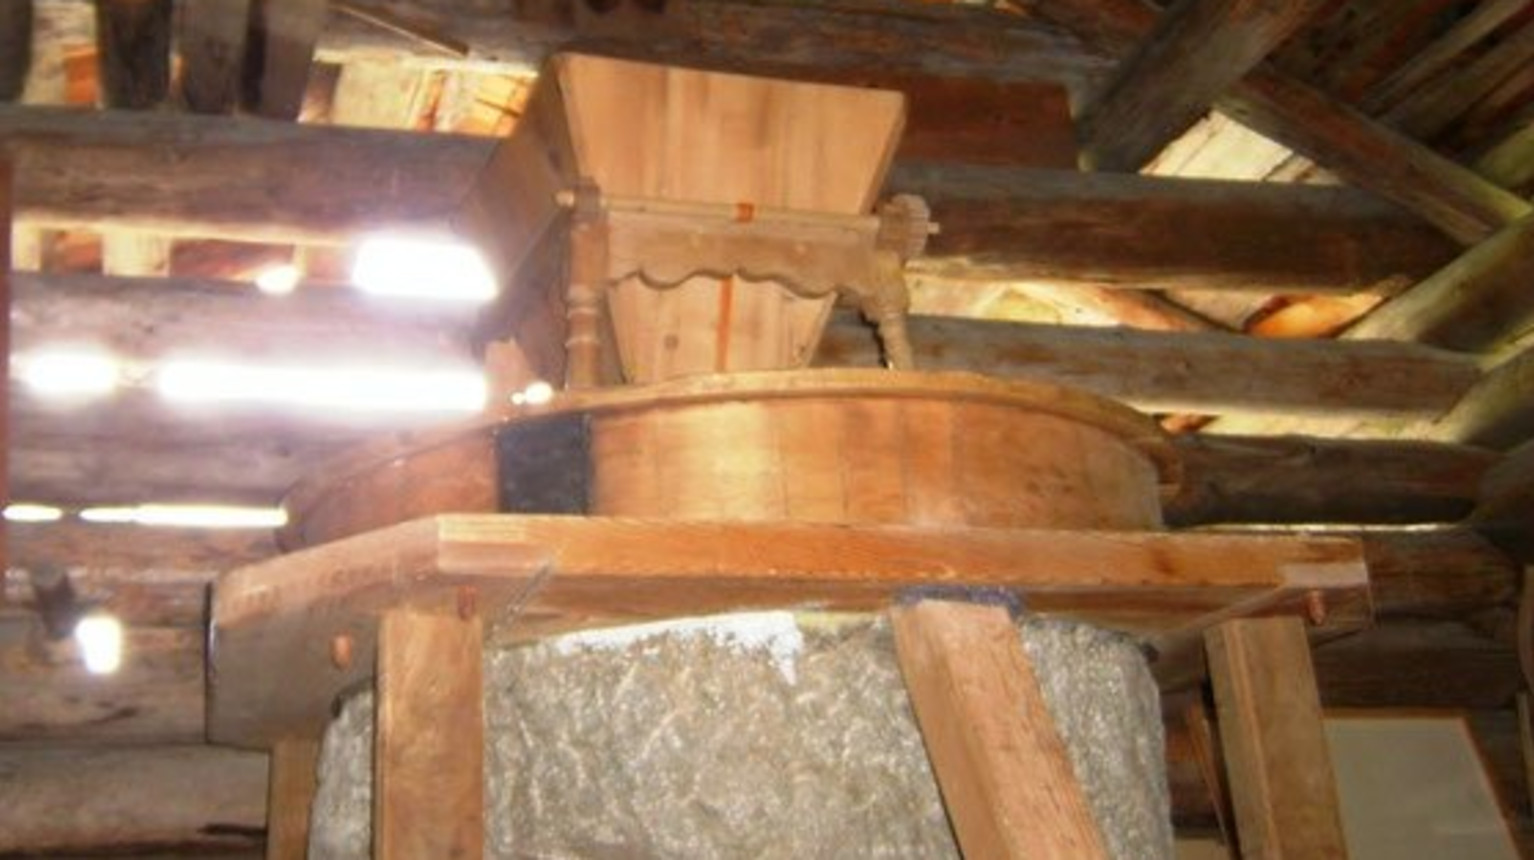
(765, 736)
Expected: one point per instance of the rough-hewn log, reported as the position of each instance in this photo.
(1479, 302)
(168, 798)
(133, 43)
(1442, 574)
(283, 34)
(1181, 372)
(206, 176)
(1364, 152)
(1505, 512)
(210, 38)
(1475, 26)
(1442, 664)
(1511, 161)
(1301, 480)
(1197, 50)
(15, 47)
(1498, 412)
(156, 697)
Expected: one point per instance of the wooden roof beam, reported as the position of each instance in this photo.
(1364, 152)
(15, 47)
(211, 41)
(210, 177)
(286, 33)
(1196, 51)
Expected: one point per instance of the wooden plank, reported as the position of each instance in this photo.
(1366, 153)
(1293, 479)
(15, 47)
(998, 758)
(133, 46)
(429, 738)
(565, 573)
(285, 33)
(1479, 302)
(1270, 727)
(1465, 34)
(1427, 113)
(210, 38)
(193, 798)
(377, 95)
(129, 253)
(96, 171)
(1198, 49)
(1441, 574)
(291, 778)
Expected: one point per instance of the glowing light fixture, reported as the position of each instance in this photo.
(424, 267)
(278, 280)
(535, 394)
(100, 637)
(190, 516)
(22, 512)
(65, 372)
(355, 389)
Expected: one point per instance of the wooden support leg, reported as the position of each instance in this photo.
(289, 797)
(583, 308)
(428, 793)
(1004, 772)
(1280, 769)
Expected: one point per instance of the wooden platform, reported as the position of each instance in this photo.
(292, 634)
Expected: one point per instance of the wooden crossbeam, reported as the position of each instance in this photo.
(562, 573)
(1506, 500)
(1196, 51)
(154, 173)
(1498, 412)
(1427, 112)
(1366, 153)
(999, 760)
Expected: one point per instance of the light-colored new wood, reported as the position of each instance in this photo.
(561, 573)
(289, 797)
(1275, 748)
(1005, 775)
(1198, 49)
(429, 738)
(135, 254)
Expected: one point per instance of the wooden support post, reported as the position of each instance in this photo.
(1275, 747)
(289, 797)
(1005, 776)
(287, 31)
(133, 40)
(428, 795)
(15, 47)
(211, 39)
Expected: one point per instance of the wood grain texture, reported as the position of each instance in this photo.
(133, 43)
(97, 171)
(995, 751)
(429, 738)
(1480, 302)
(566, 573)
(1198, 49)
(285, 33)
(1441, 53)
(292, 775)
(1270, 725)
(1428, 112)
(210, 38)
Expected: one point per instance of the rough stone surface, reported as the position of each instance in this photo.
(753, 736)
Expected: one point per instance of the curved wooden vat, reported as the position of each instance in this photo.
(829, 446)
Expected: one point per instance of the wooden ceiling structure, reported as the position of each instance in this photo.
(1300, 230)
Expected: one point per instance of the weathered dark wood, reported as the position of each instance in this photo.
(1505, 512)
(1438, 575)
(97, 172)
(1281, 779)
(1429, 111)
(1475, 26)
(133, 43)
(1434, 665)
(7, 299)
(1479, 302)
(211, 41)
(1366, 153)
(290, 798)
(283, 36)
(1180, 372)
(1198, 49)
(1498, 412)
(1302, 480)
(15, 47)
(131, 800)
(156, 697)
